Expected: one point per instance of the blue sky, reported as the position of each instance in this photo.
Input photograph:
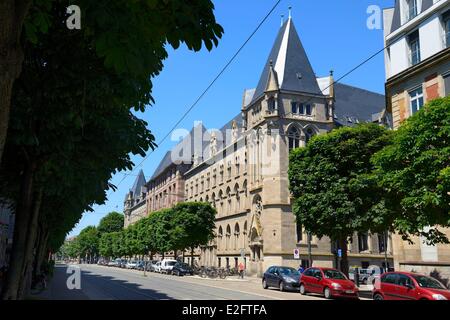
(334, 34)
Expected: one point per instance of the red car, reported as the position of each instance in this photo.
(329, 282)
(409, 286)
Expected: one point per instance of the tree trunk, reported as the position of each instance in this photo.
(12, 15)
(192, 257)
(42, 250)
(23, 216)
(31, 248)
(344, 259)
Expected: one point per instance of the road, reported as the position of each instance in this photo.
(109, 283)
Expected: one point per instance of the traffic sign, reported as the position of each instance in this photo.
(296, 254)
(340, 253)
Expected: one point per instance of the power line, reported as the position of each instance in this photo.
(204, 91)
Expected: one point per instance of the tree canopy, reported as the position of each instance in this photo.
(330, 180)
(414, 172)
(112, 222)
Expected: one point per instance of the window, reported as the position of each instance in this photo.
(389, 278)
(363, 242)
(299, 231)
(309, 134)
(404, 280)
(412, 9)
(446, 19)
(294, 106)
(414, 47)
(308, 109)
(416, 100)
(294, 137)
(447, 84)
(271, 104)
(381, 242)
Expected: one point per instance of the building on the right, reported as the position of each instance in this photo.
(417, 61)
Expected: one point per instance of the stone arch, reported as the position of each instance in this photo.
(294, 135)
(219, 238)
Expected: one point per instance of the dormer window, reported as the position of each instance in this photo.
(412, 9)
(294, 106)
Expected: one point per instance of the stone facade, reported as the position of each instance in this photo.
(246, 179)
(409, 85)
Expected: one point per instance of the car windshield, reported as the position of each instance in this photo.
(184, 265)
(288, 271)
(334, 274)
(171, 263)
(427, 282)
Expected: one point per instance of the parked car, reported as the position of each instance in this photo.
(112, 263)
(151, 265)
(140, 265)
(409, 286)
(131, 264)
(182, 269)
(284, 278)
(158, 267)
(167, 265)
(123, 263)
(329, 282)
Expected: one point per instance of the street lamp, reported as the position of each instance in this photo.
(309, 249)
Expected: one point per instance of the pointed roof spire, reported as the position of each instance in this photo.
(290, 64)
(282, 21)
(138, 184)
(290, 11)
(272, 80)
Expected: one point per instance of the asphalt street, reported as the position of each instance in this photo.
(109, 283)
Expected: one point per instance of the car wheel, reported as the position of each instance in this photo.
(302, 289)
(364, 281)
(378, 297)
(327, 293)
(264, 284)
(282, 289)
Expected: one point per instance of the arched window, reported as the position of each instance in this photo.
(219, 236)
(229, 209)
(309, 134)
(213, 199)
(220, 202)
(228, 236)
(238, 198)
(271, 104)
(237, 232)
(293, 137)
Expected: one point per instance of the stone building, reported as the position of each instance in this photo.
(417, 59)
(135, 204)
(242, 168)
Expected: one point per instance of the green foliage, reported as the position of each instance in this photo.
(331, 183)
(187, 225)
(112, 222)
(414, 172)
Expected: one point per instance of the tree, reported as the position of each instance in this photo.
(88, 243)
(129, 36)
(58, 157)
(193, 225)
(330, 180)
(112, 222)
(414, 173)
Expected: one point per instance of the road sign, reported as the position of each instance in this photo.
(340, 253)
(296, 254)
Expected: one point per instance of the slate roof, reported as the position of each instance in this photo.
(185, 144)
(290, 62)
(139, 183)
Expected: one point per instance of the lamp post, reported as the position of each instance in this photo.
(309, 250)
(385, 251)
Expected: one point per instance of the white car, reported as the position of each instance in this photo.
(167, 265)
(131, 265)
(157, 267)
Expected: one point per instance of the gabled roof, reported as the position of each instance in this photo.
(291, 64)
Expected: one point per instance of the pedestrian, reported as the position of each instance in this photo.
(241, 270)
(301, 269)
